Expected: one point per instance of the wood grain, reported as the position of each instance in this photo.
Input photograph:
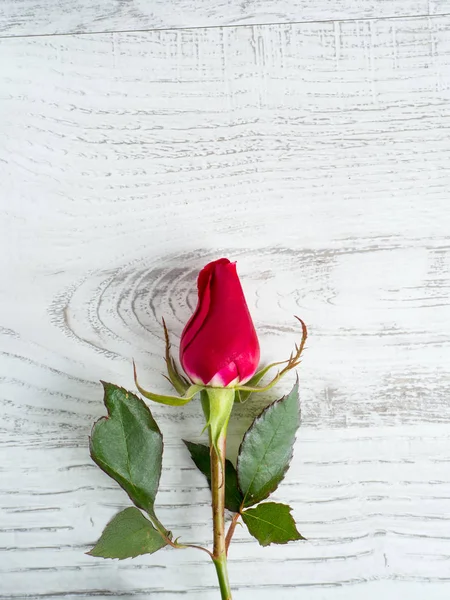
(316, 155)
(34, 17)
(376, 522)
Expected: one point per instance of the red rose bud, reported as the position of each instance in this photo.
(219, 345)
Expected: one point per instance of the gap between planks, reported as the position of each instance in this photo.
(227, 26)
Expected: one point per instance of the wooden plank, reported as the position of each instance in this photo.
(373, 519)
(308, 153)
(317, 156)
(437, 7)
(34, 17)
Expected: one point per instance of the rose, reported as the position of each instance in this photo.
(219, 346)
(220, 353)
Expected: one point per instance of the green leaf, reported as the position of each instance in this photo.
(200, 454)
(271, 523)
(128, 446)
(128, 535)
(266, 449)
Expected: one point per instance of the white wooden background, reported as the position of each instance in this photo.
(310, 142)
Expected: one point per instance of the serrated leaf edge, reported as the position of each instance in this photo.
(89, 553)
(102, 465)
(255, 420)
(300, 537)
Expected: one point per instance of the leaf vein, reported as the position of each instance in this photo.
(265, 453)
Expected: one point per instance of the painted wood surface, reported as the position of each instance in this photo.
(35, 17)
(316, 155)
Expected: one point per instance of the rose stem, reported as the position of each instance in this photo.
(218, 509)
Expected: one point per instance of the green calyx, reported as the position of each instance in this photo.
(216, 401)
(169, 400)
(179, 382)
(244, 391)
(186, 392)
